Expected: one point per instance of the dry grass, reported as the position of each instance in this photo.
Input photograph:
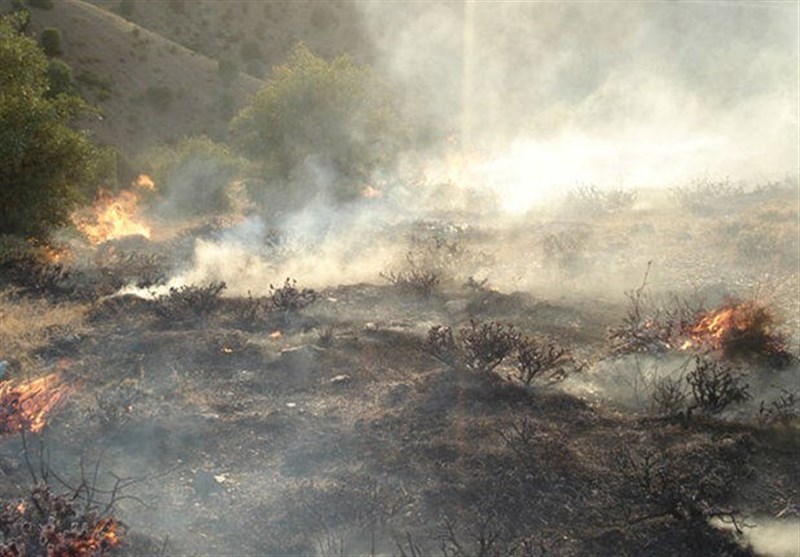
(27, 325)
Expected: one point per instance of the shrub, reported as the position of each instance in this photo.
(536, 357)
(337, 112)
(486, 345)
(51, 41)
(44, 523)
(59, 78)
(421, 283)
(289, 298)
(251, 50)
(442, 345)
(715, 386)
(188, 304)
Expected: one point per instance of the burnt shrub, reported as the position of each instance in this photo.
(715, 386)
(537, 357)
(420, 282)
(44, 523)
(441, 344)
(250, 313)
(668, 397)
(565, 250)
(486, 345)
(289, 298)
(189, 304)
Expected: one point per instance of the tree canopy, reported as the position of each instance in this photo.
(337, 112)
(44, 164)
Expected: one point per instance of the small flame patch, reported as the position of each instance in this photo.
(26, 406)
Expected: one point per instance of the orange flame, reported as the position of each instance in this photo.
(112, 217)
(145, 182)
(26, 406)
(718, 327)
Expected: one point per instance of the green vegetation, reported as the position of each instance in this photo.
(44, 164)
(59, 78)
(126, 8)
(194, 176)
(51, 42)
(338, 112)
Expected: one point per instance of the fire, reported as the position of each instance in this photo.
(26, 406)
(735, 323)
(145, 182)
(112, 217)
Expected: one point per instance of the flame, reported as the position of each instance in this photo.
(275, 334)
(226, 350)
(112, 217)
(26, 406)
(145, 182)
(720, 327)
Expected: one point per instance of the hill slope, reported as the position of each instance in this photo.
(149, 89)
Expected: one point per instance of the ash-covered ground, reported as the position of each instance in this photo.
(557, 383)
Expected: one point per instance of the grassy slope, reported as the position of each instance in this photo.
(123, 59)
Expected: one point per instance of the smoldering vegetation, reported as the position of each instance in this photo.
(538, 338)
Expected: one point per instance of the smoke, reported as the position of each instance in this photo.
(769, 536)
(616, 94)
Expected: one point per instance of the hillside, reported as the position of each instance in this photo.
(149, 89)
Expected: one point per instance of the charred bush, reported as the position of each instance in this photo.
(668, 397)
(485, 345)
(114, 406)
(689, 484)
(289, 298)
(250, 313)
(420, 282)
(536, 357)
(44, 523)
(226, 343)
(190, 303)
(715, 386)
(442, 345)
(785, 409)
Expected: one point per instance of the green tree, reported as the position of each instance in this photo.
(44, 164)
(59, 78)
(51, 42)
(336, 112)
(194, 177)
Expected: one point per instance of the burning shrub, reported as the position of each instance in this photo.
(421, 283)
(48, 524)
(738, 329)
(486, 345)
(715, 386)
(536, 357)
(25, 406)
(289, 298)
(190, 303)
